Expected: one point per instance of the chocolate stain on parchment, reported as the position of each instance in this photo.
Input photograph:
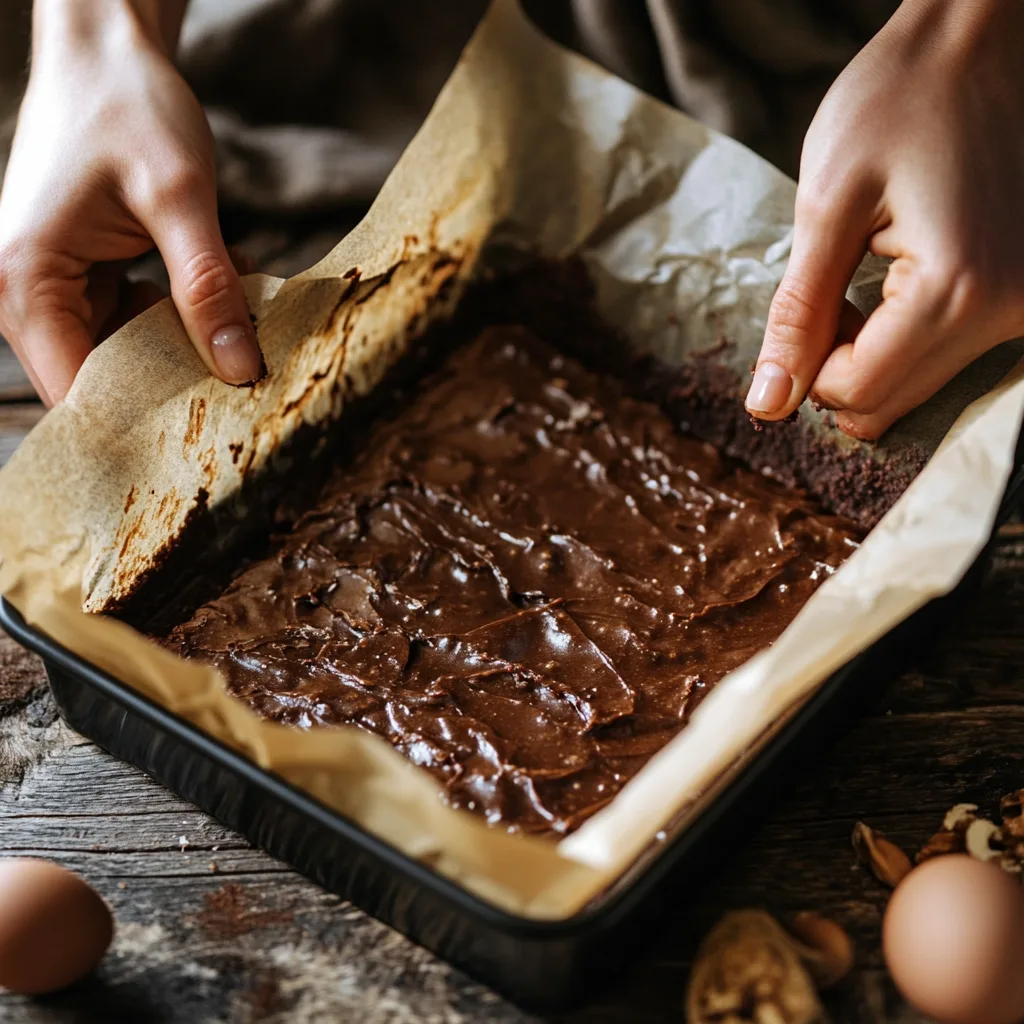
(436, 275)
(127, 576)
(341, 322)
(196, 419)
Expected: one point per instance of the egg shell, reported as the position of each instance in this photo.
(953, 939)
(54, 929)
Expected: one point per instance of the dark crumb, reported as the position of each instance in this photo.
(819, 404)
(758, 424)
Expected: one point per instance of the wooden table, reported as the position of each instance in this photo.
(210, 929)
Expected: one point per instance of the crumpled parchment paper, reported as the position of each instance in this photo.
(686, 234)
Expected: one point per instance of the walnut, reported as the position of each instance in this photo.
(940, 844)
(749, 971)
(952, 837)
(824, 947)
(886, 861)
(963, 831)
(959, 816)
(983, 839)
(1011, 809)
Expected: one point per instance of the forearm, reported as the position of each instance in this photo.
(87, 23)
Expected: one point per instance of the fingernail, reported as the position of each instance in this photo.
(770, 389)
(237, 355)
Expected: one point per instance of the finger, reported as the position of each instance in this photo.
(930, 325)
(30, 371)
(862, 376)
(829, 242)
(923, 380)
(205, 286)
(52, 347)
(851, 323)
(43, 314)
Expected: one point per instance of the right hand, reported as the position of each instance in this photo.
(914, 155)
(112, 156)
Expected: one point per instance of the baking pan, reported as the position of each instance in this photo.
(538, 964)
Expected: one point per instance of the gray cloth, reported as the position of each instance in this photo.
(312, 101)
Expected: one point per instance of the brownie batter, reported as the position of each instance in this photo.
(525, 581)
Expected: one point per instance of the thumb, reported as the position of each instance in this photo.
(207, 291)
(828, 244)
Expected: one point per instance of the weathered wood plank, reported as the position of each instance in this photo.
(102, 782)
(285, 952)
(104, 862)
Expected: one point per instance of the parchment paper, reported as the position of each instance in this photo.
(686, 234)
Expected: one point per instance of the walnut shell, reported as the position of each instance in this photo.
(748, 971)
(886, 861)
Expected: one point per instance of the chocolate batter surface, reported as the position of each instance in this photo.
(526, 581)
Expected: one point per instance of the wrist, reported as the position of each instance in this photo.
(92, 25)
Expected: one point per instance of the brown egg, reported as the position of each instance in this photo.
(953, 939)
(54, 929)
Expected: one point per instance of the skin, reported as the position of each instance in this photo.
(112, 157)
(912, 156)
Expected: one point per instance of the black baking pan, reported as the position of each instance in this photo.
(540, 965)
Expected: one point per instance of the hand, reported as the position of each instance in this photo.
(916, 153)
(112, 155)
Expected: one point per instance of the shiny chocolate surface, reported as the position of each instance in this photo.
(526, 581)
